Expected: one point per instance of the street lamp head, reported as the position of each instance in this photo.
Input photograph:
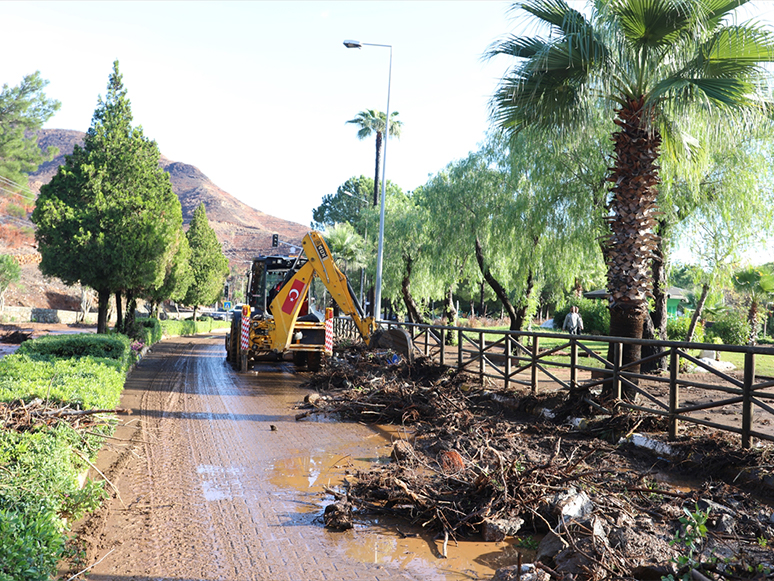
(353, 44)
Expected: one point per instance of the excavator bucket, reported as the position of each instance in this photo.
(397, 340)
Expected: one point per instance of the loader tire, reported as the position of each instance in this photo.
(314, 361)
(300, 359)
(236, 340)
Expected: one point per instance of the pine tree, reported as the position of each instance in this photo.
(109, 218)
(208, 264)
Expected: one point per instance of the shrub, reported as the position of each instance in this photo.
(113, 346)
(88, 381)
(677, 329)
(31, 541)
(595, 315)
(146, 330)
(730, 327)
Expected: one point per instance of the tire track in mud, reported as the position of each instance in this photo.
(198, 499)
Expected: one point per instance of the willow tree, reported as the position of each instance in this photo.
(649, 64)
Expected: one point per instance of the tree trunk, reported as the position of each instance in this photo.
(632, 242)
(753, 320)
(697, 313)
(408, 300)
(496, 286)
(521, 312)
(629, 324)
(448, 308)
(102, 310)
(119, 313)
(578, 288)
(131, 306)
(481, 302)
(378, 167)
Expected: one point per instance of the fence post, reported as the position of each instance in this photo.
(481, 361)
(674, 394)
(427, 337)
(617, 359)
(443, 344)
(535, 351)
(459, 348)
(747, 412)
(573, 362)
(507, 360)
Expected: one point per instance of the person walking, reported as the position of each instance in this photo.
(573, 323)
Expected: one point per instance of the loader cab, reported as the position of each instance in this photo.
(267, 275)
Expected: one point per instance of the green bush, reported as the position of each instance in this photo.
(112, 346)
(677, 329)
(173, 328)
(730, 327)
(89, 382)
(31, 541)
(595, 315)
(146, 330)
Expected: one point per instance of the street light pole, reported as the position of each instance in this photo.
(380, 246)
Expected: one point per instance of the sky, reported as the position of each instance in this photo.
(257, 94)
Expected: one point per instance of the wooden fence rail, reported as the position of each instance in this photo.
(517, 359)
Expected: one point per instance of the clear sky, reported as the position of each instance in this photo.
(256, 94)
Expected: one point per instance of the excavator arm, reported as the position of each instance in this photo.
(286, 305)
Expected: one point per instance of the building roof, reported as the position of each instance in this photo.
(672, 293)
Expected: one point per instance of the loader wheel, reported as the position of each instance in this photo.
(314, 361)
(228, 347)
(300, 359)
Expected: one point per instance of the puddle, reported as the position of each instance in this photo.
(218, 483)
(301, 479)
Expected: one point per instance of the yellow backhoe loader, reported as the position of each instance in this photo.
(277, 318)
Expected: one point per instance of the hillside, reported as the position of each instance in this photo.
(243, 231)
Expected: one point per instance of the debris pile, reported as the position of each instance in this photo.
(19, 416)
(477, 464)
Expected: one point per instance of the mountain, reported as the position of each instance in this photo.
(243, 231)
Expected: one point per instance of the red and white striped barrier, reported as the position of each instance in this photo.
(245, 333)
(329, 331)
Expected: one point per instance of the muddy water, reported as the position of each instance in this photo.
(225, 484)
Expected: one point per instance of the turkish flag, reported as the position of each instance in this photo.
(296, 290)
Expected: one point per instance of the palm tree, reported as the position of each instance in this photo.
(758, 285)
(373, 121)
(650, 65)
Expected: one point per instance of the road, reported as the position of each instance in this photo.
(219, 482)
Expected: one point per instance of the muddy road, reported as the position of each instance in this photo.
(217, 480)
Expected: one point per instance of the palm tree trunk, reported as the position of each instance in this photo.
(378, 167)
(632, 241)
(697, 312)
(496, 286)
(752, 318)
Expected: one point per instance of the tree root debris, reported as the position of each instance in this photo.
(479, 465)
(19, 416)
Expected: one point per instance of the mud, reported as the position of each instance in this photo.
(207, 489)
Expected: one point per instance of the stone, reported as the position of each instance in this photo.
(496, 529)
(528, 573)
(402, 451)
(571, 505)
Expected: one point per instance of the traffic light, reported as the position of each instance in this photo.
(275, 240)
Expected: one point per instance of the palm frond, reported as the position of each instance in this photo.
(653, 23)
(734, 51)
